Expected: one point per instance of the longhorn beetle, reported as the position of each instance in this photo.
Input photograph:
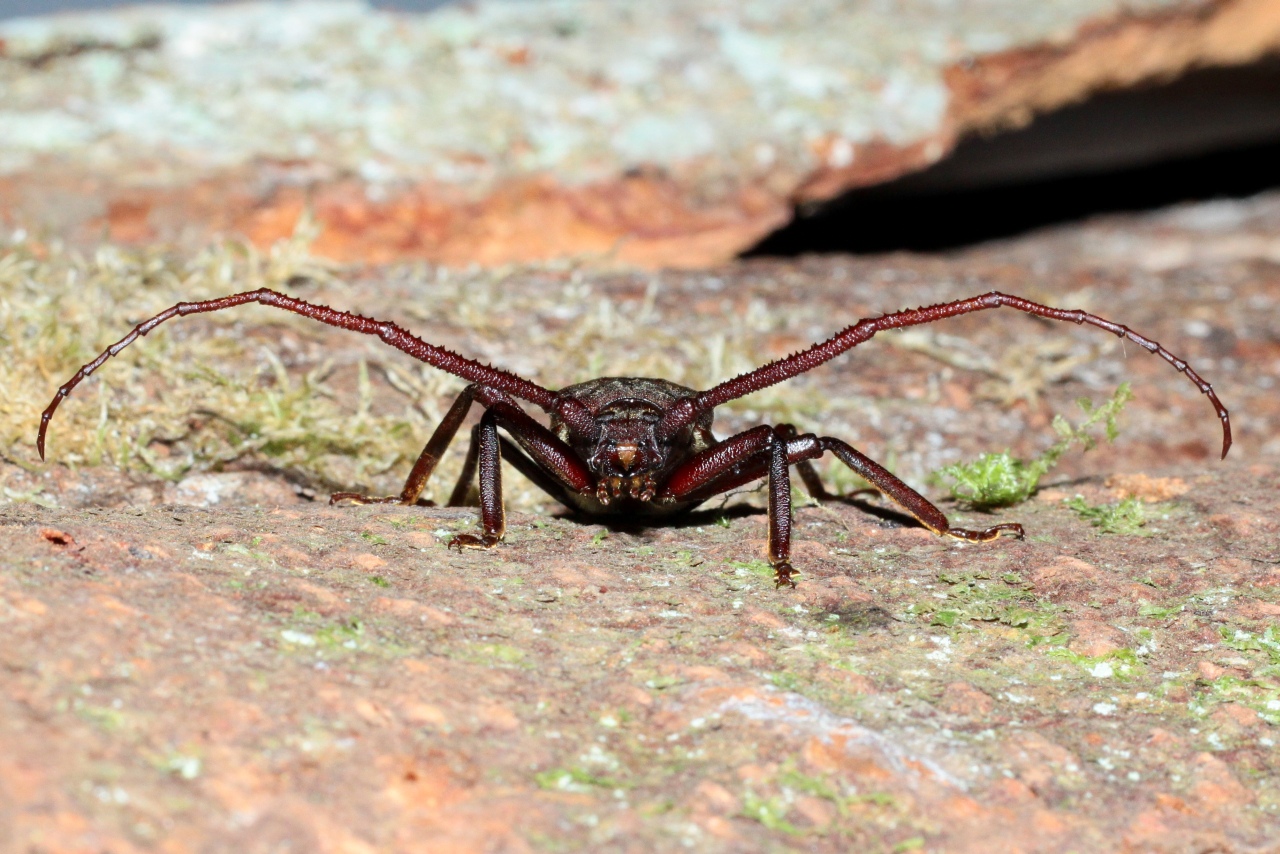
(637, 446)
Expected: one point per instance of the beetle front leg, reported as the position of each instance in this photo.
(741, 459)
(492, 518)
(910, 500)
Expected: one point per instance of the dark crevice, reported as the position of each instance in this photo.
(1211, 134)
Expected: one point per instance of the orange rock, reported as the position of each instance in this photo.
(1038, 761)
(372, 713)
(419, 539)
(961, 698)
(763, 618)
(497, 716)
(715, 797)
(413, 784)
(1232, 569)
(852, 683)
(1209, 670)
(703, 673)
(1014, 790)
(1065, 570)
(1146, 828)
(420, 714)
(30, 606)
(367, 562)
(1256, 609)
(816, 811)
(413, 609)
(1235, 715)
(1162, 738)
(326, 599)
(1095, 638)
(1215, 786)
(1173, 803)
(721, 828)
(1149, 489)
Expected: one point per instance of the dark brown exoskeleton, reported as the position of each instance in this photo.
(635, 446)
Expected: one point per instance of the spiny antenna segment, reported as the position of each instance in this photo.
(863, 330)
(445, 360)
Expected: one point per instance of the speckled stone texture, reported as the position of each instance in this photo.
(676, 135)
(221, 664)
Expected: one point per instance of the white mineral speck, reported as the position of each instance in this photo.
(299, 638)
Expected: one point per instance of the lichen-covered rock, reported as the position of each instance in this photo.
(506, 131)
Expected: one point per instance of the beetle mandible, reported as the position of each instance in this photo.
(639, 446)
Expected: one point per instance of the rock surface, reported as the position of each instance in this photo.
(266, 673)
(508, 131)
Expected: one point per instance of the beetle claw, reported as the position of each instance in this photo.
(784, 574)
(986, 535)
(468, 541)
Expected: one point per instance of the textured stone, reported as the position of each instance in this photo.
(508, 131)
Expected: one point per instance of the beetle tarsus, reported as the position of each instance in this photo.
(470, 541)
(784, 575)
(357, 498)
(986, 535)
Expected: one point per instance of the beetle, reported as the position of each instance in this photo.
(637, 446)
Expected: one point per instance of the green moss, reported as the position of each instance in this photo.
(496, 654)
(1125, 517)
(1000, 480)
(344, 634)
(1120, 663)
(1267, 643)
(770, 812)
(1161, 612)
(760, 568)
(785, 681)
(247, 551)
(105, 717)
(973, 596)
(995, 480)
(573, 780)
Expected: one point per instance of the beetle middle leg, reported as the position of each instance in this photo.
(492, 517)
(741, 459)
(538, 454)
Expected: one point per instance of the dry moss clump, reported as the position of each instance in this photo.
(199, 394)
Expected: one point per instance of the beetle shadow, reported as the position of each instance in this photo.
(887, 517)
(698, 518)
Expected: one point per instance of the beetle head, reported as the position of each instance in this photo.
(625, 445)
